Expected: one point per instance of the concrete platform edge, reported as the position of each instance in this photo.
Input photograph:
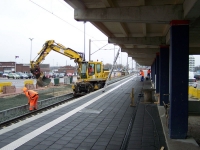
(176, 144)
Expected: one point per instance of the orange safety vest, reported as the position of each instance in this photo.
(142, 73)
(149, 71)
(30, 94)
(90, 70)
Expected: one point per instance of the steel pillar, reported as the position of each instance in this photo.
(157, 73)
(164, 74)
(153, 72)
(178, 78)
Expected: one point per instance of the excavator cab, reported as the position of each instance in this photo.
(87, 70)
(83, 73)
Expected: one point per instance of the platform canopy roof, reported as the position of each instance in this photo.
(139, 27)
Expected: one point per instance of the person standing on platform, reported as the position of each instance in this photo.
(32, 98)
(142, 75)
(148, 73)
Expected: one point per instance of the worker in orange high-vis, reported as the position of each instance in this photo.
(32, 98)
(142, 75)
(90, 70)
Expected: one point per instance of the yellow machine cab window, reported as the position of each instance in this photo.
(91, 69)
(98, 67)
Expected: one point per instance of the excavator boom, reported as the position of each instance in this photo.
(47, 47)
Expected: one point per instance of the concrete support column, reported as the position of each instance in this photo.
(178, 78)
(153, 72)
(157, 73)
(164, 74)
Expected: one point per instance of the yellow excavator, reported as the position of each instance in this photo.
(91, 75)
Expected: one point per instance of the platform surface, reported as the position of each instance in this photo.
(97, 121)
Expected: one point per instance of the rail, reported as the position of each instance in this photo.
(15, 112)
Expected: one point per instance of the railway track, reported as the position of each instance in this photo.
(24, 113)
(17, 114)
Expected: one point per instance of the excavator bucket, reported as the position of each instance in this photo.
(43, 81)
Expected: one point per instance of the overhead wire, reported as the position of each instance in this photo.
(65, 5)
(56, 15)
(62, 19)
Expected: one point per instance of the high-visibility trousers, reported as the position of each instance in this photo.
(33, 103)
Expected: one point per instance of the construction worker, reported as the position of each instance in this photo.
(90, 70)
(32, 98)
(148, 73)
(142, 75)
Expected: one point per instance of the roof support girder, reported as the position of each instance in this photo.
(140, 50)
(162, 14)
(138, 40)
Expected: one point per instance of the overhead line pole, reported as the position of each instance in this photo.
(84, 40)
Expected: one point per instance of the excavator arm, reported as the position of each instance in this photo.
(48, 46)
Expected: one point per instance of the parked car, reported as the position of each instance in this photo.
(69, 74)
(55, 75)
(192, 82)
(197, 75)
(49, 75)
(30, 75)
(5, 75)
(22, 75)
(61, 75)
(13, 75)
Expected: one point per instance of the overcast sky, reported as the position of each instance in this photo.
(50, 20)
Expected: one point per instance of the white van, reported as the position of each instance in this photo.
(192, 81)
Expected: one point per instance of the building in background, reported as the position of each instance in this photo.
(191, 63)
(25, 68)
(6, 67)
(68, 70)
(45, 68)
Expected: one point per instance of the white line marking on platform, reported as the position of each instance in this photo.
(17, 143)
(16, 125)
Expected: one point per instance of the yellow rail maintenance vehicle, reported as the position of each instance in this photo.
(91, 75)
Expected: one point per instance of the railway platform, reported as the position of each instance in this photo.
(101, 120)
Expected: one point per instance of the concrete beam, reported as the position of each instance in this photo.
(140, 50)
(123, 29)
(76, 4)
(191, 9)
(143, 59)
(103, 28)
(162, 14)
(144, 63)
(136, 51)
(168, 38)
(144, 29)
(108, 3)
(138, 40)
(142, 56)
(194, 50)
(142, 2)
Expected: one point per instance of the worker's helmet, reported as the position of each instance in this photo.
(24, 89)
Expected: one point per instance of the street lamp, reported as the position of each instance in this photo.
(31, 48)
